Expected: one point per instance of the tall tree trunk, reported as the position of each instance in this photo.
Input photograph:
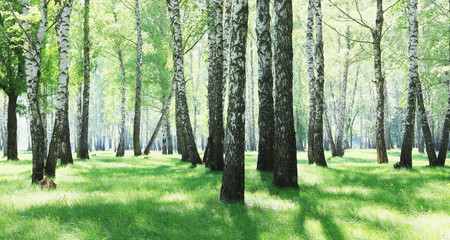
(251, 105)
(408, 137)
(320, 65)
(12, 127)
(266, 120)
(377, 34)
(190, 152)
(33, 72)
(164, 113)
(311, 79)
(83, 138)
(432, 158)
(60, 142)
(285, 164)
(137, 105)
(121, 147)
(226, 44)
(233, 174)
(329, 133)
(342, 109)
(214, 150)
(5, 128)
(445, 135)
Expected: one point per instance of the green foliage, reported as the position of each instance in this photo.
(163, 198)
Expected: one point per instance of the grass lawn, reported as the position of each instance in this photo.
(160, 197)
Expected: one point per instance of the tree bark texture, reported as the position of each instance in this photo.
(377, 34)
(190, 152)
(285, 164)
(137, 104)
(311, 79)
(162, 119)
(445, 136)
(266, 120)
(60, 142)
(83, 142)
(251, 105)
(320, 69)
(121, 147)
(12, 127)
(214, 155)
(33, 73)
(408, 135)
(233, 174)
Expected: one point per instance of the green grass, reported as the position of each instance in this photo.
(162, 198)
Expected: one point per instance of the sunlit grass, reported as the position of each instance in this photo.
(159, 197)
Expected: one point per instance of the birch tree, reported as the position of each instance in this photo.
(137, 105)
(82, 146)
(285, 164)
(60, 142)
(33, 47)
(184, 128)
(214, 150)
(233, 174)
(266, 121)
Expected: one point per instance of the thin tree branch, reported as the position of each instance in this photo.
(363, 24)
(343, 35)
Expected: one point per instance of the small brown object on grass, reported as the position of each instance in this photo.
(47, 184)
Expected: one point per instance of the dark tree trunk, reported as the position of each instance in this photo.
(432, 158)
(408, 137)
(214, 150)
(266, 120)
(189, 152)
(137, 105)
(285, 164)
(12, 127)
(445, 135)
(233, 174)
(83, 138)
(377, 34)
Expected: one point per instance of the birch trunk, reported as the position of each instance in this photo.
(121, 147)
(342, 109)
(33, 72)
(137, 105)
(311, 79)
(164, 113)
(190, 152)
(233, 174)
(214, 150)
(60, 142)
(320, 65)
(377, 34)
(266, 120)
(83, 138)
(251, 105)
(285, 164)
(445, 136)
(408, 137)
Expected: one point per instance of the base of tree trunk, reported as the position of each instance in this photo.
(400, 165)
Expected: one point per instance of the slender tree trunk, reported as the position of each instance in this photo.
(342, 109)
(214, 150)
(5, 128)
(311, 79)
(190, 152)
(121, 147)
(285, 164)
(408, 137)
(12, 127)
(137, 105)
(320, 65)
(432, 158)
(329, 133)
(60, 142)
(164, 113)
(251, 106)
(233, 175)
(33, 72)
(83, 138)
(445, 136)
(377, 34)
(266, 120)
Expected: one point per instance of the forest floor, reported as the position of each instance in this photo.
(160, 197)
